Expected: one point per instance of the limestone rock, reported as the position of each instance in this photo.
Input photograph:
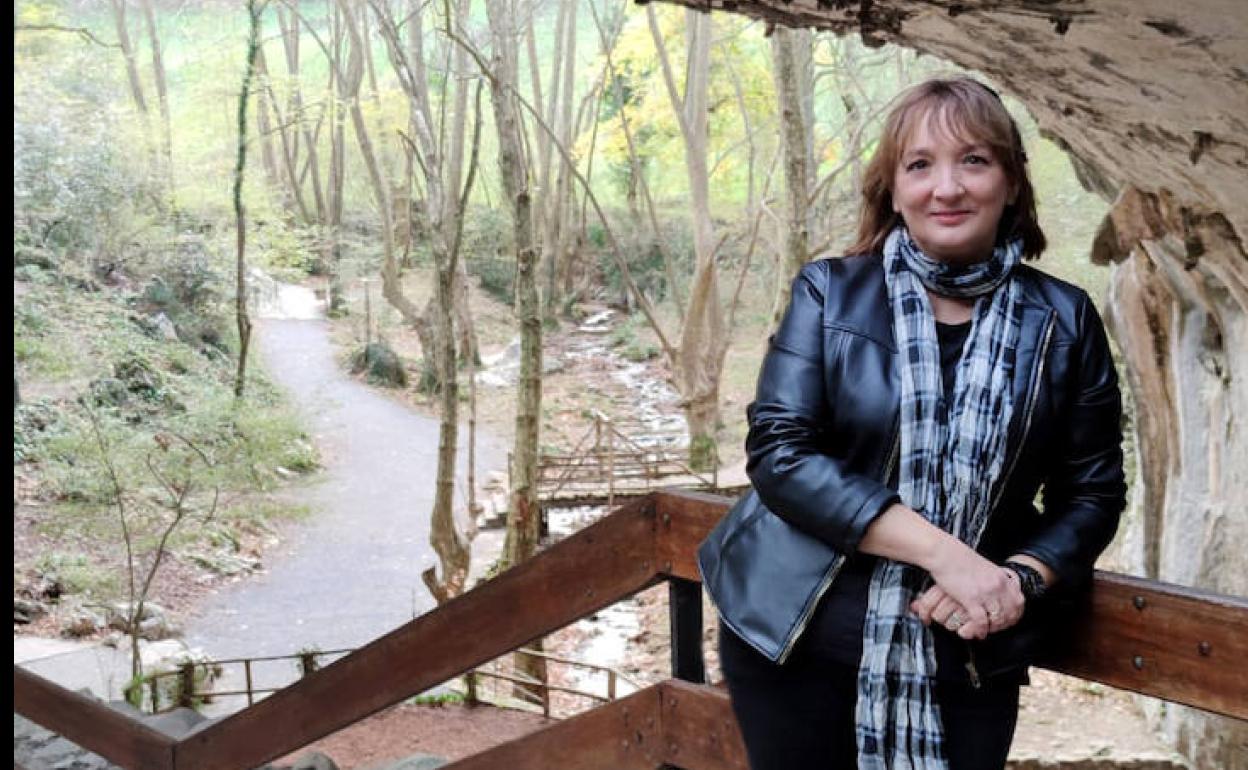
(82, 622)
(414, 762)
(26, 610)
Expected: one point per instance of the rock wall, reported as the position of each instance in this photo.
(1150, 98)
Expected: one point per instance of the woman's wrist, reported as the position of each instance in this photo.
(1027, 560)
(901, 534)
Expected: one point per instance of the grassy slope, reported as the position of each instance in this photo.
(68, 345)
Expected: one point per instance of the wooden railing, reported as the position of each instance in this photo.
(1170, 642)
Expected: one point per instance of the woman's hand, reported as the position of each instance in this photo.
(974, 583)
(981, 596)
(936, 605)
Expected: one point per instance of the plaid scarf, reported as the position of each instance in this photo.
(950, 459)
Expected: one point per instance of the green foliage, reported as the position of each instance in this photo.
(77, 574)
(626, 339)
(78, 183)
(383, 365)
(286, 253)
(440, 699)
(489, 253)
(643, 256)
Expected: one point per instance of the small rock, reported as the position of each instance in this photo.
(119, 615)
(225, 563)
(415, 762)
(156, 629)
(82, 623)
(164, 326)
(26, 610)
(314, 760)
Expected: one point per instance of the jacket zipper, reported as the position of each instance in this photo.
(1031, 408)
(800, 627)
(1038, 377)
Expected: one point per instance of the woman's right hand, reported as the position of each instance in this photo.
(901, 534)
(989, 601)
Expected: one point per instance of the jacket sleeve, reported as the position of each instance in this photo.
(1086, 488)
(795, 478)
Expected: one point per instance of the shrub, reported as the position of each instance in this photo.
(383, 365)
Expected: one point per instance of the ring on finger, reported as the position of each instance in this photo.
(954, 621)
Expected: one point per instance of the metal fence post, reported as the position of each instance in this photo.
(685, 616)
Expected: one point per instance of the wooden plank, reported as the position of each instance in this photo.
(685, 518)
(623, 735)
(1180, 644)
(90, 724)
(699, 729)
(603, 563)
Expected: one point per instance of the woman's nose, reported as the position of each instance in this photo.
(948, 183)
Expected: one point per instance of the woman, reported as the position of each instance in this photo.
(885, 585)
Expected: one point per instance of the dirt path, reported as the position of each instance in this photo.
(352, 572)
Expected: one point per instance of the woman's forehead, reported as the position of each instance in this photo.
(940, 123)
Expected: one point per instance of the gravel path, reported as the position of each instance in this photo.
(352, 572)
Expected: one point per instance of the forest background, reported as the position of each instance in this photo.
(492, 170)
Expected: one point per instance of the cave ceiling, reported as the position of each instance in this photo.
(1151, 94)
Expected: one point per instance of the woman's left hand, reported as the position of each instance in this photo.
(936, 605)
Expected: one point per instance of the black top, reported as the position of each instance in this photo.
(837, 622)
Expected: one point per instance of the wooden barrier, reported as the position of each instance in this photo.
(91, 724)
(1180, 644)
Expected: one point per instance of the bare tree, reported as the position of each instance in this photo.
(793, 73)
(172, 466)
(240, 220)
(698, 361)
(127, 52)
(523, 513)
(162, 96)
(436, 149)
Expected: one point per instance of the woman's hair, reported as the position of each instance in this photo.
(962, 107)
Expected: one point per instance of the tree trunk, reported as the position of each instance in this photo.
(127, 52)
(548, 201)
(523, 513)
(1179, 310)
(162, 96)
(561, 205)
(264, 124)
(703, 338)
(790, 48)
(240, 287)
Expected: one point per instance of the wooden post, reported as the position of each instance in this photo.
(247, 676)
(186, 684)
(470, 685)
(685, 615)
(610, 684)
(610, 467)
(154, 688)
(368, 315)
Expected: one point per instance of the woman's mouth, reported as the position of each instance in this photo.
(950, 217)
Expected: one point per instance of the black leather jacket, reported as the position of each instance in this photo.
(823, 445)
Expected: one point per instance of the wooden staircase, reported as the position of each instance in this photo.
(1175, 643)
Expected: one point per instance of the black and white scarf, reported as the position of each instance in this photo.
(950, 460)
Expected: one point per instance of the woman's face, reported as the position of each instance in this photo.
(951, 193)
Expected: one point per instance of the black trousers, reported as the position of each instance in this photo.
(800, 716)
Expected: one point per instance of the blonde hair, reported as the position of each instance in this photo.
(961, 107)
